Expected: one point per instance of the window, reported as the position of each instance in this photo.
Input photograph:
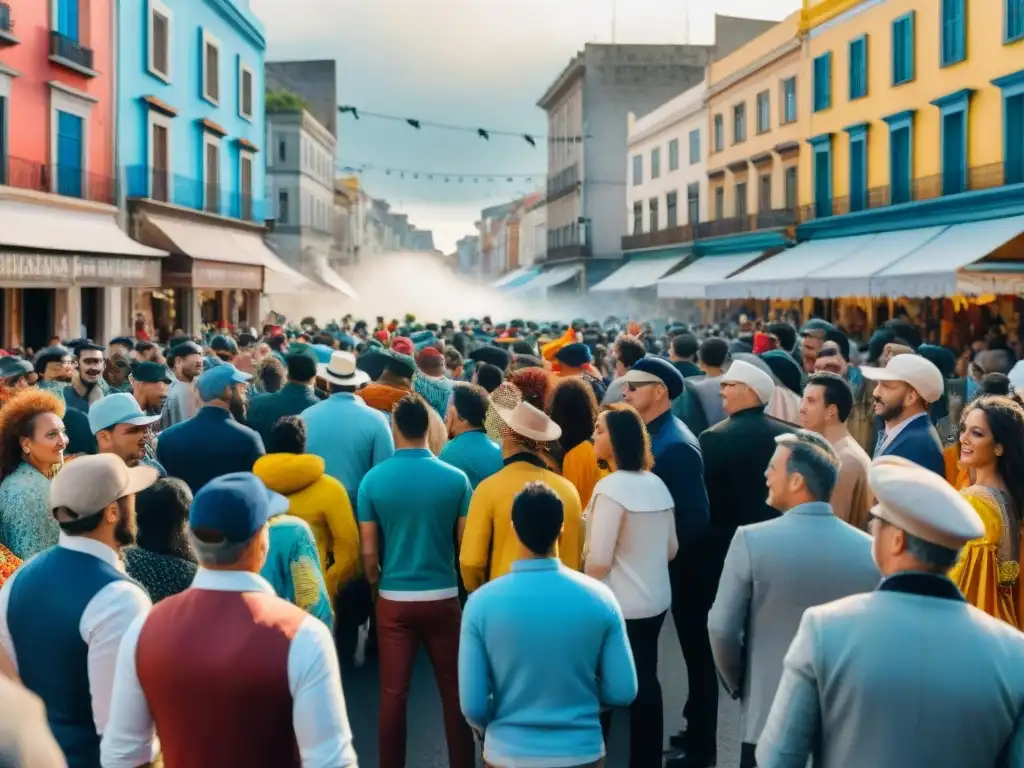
(858, 168)
(901, 154)
(159, 156)
(739, 123)
(159, 63)
(790, 183)
(638, 170)
(822, 146)
(67, 18)
(244, 91)
(764, 114)
(953, 110)
(655, 163)
(282, 150)
(1014, 23)
(719, 133)
(211, 173)
(719, 203)
(859, 68)
(638, 217)
(789, 100)
(671, 213)
(764, 193)
(693, 204)
(695, 146)
(70, 154)
(741, 200)
(903, 49)
(673, 155)
(282, 207)
(1013, 138)
(954, 31)
(245, 185)
(652, 206)
(823, 82)
(211, 68)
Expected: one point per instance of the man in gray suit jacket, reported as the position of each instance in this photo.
(775, 570)
(910, 674)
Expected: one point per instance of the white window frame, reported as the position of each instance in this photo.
(210, 40)
(212, 139)
(242, 68)
(156, 117)
(155, 6)
(64, 98)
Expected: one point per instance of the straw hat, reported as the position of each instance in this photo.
(529, 422)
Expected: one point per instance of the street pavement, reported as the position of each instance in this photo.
(426, 745)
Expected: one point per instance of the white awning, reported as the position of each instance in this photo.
(335, 281)
(551, 278)
(53, 228)
(637, 273)
(509, 277)
(692, 281)
(942, 266)
(783, 276)
(851, 276)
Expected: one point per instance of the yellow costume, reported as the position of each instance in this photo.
(988, 572)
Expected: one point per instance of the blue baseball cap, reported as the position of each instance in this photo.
(235, 506)
(118, 408)
(212, 382)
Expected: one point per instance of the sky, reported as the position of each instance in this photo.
(465, 62)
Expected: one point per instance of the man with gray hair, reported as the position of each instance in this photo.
(227, 672)
(775, 570)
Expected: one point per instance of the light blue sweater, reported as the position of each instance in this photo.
(542, 650)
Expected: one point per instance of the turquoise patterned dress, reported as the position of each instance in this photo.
(26, 525)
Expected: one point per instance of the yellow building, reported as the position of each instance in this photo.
(757, 120)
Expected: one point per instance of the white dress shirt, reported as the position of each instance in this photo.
(891, 434)
(104, 621)
(314, 679)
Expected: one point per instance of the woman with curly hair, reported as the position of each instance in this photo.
(534, 384)
(573, 407)
(32, 443)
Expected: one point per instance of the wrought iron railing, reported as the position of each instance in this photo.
(70, 50)
(63, 179)
(160, 184)
(5, 18)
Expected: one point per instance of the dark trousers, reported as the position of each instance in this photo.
(747, 757)
(401, 627)
(646, 723)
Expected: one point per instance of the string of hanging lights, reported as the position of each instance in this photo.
(436, 176)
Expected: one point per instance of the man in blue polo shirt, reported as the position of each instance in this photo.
(408, 508)
(212, 443)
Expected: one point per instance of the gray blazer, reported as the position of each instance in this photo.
(774, 571)
(899, 678)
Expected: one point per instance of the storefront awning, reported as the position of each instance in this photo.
(638, 273)
(692, 281)
(515, 277)
(851, 276)
(945, 266)
(335, 282)
(549, 279)
(783, 276)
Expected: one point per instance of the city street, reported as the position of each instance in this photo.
(426, 747)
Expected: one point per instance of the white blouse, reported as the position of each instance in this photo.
(631, 527)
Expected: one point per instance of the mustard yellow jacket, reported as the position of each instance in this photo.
(322, 502)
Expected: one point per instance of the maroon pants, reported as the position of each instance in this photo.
(401, 627)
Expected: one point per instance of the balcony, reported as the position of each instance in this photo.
(661, 237)
(770, 219)
(723, 227)
(563, 182)
(7, 26)
(71, 54)
(64, 180)
(567, 252)
(163, 186)
(940, 185)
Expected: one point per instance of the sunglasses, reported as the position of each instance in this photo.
(634, 386)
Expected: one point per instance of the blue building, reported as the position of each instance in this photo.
(190, 129)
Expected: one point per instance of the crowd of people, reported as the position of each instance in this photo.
(198, 539)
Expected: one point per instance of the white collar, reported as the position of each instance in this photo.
(92, 547)
(231, 581)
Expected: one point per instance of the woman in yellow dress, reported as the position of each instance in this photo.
(573, 407)
(992, 449)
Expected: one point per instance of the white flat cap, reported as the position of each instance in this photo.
(922, 503)
(914, 370)
(741, 372)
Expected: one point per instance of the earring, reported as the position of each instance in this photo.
(999, 451)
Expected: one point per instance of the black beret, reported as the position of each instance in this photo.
(493, 355)
(785, 369)
(123, 341)
(576, 355)
(660, 368)
(221, 343)
(150, 373)
(185, 348)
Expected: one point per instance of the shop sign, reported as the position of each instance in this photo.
(65, 269)
(219, 275)
(111, 270)
(36, 268)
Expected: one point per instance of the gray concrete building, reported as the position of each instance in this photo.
(315, 81)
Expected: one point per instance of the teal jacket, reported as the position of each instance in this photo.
(293, 568)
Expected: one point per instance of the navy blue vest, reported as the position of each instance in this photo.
(47, 599)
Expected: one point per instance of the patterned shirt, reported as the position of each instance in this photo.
(161, 575)
(26, 525)
(293, 567)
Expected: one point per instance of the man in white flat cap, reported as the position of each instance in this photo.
(910, 674)
(906, 388)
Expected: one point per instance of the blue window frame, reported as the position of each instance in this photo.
(1014, 21)
(903, 49)
(1012, 86)
(954, 31)
(901, 156)
(822, 148)
(823, 82)
(859, 68)
(953, 109)
(695, 146)
(858, 166)
(70, 146)
(788, 101)
(67, 18)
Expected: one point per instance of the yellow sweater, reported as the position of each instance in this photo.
(323, 503)
(579, 467)
(489, 539)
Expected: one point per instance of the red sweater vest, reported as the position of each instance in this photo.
(214, 669)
